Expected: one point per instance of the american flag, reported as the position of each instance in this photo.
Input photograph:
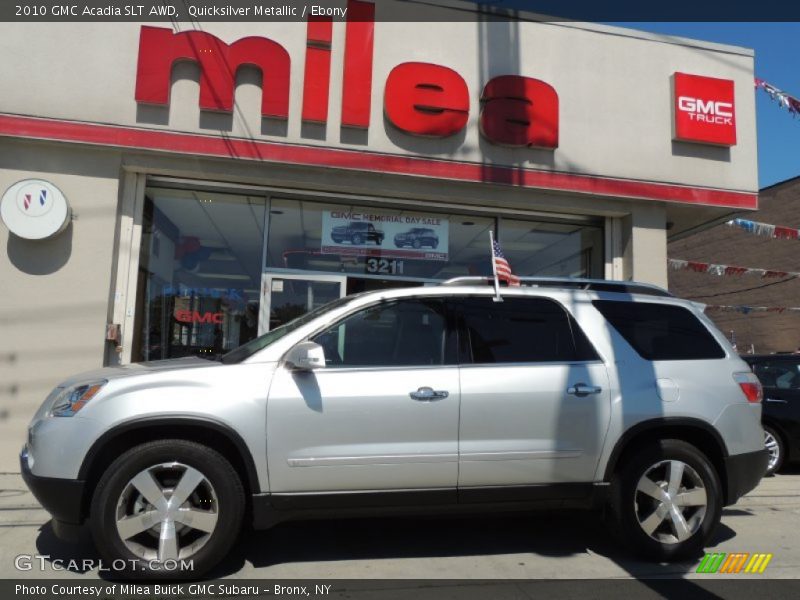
(501, 266)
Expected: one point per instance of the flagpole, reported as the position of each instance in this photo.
(497, 296)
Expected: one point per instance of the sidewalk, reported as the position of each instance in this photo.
(13, 432)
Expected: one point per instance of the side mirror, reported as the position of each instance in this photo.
(305, 356)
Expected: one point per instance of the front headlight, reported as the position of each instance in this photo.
(74, 398)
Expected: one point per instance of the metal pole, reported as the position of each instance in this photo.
(497, 296)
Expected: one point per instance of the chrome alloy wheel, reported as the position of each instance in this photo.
(167, 512)
(670, 502)
(773, 448)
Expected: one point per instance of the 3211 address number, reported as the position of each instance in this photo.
(384, 266)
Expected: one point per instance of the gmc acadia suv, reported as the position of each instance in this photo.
(417, 238)
(573, 393)
(357, 233)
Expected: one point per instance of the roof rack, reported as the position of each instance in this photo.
(592, 285)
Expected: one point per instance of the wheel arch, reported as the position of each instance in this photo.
(125, 436)
(693, 431)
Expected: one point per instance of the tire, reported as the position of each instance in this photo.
(215, 493)
(337, 240)
(668, 540)
(356, 239)
(776, 447)
(435, 245)
(416, 244)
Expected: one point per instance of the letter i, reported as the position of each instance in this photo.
(318, 69)
(357, 76)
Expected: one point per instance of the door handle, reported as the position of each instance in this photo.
(581, 390)
(426, 394)
(776, 400)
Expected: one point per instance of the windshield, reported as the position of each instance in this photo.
(247, 350)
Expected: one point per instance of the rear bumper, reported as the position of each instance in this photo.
(62, 498)
(744, 471)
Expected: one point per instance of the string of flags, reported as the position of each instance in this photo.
(731, 270)
(777, 232)
(751, 309)
(784, 100)
(721, 270)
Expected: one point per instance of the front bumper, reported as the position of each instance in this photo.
(744, 471)
(62, 498)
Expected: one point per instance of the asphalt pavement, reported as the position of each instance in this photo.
(565, 545)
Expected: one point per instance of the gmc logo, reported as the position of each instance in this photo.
(709, 112)
(193, 316)
(704, 110)
(422, 99)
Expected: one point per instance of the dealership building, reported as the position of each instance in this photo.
(174, 189)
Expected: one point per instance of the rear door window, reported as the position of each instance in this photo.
(660, 331)
(779, 374)
(519, 330)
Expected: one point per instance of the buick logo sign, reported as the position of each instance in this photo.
(34, 209)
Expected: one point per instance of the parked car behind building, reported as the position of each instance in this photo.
(780, 376)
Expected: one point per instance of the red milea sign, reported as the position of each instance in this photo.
(419, 98)
(705, 111)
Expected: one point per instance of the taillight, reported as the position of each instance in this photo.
(750, 385)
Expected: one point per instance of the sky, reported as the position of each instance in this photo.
(777, 61)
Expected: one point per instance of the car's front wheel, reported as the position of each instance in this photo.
(167, 509)
(773, 442)
(666, 500)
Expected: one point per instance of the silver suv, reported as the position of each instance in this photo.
(568, 393)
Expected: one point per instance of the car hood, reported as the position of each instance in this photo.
(143, 368)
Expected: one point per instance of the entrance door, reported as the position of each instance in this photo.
(285, 297)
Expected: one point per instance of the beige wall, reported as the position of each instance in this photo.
(54, 299)
(613, 86)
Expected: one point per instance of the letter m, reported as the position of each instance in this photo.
(161, 48)
(706, 108)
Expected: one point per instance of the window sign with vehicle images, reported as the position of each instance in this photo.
(386, 235)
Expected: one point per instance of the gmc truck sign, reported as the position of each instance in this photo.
(704, 110)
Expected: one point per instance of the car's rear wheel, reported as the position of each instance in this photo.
(167, 509)
(773, 442)
(666, 500)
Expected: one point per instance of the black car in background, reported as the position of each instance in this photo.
(417, 238)
(780, 376)
(357, 233)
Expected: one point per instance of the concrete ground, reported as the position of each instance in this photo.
(540, 546)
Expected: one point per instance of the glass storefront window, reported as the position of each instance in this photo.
(207, 286)
(549, 249)
(199, 273)
(392, 243)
